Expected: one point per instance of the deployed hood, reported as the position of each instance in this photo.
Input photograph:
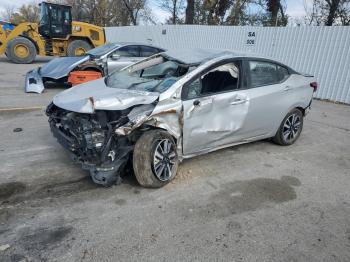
(95, 95)
(62, 66)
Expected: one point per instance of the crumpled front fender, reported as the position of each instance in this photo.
(34, 82)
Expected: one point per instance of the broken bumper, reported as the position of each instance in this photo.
(102, 172)
(34, 82)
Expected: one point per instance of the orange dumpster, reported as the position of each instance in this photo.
(79, 77)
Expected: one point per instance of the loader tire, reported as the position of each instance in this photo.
(78, 48)
(21, 50)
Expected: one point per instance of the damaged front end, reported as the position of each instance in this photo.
(92, 141)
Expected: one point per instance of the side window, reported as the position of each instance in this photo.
(221, 79)
(265, 73)
(147, 51)
(67, 17)
(282, 73)
(128, 51)
(193, 90)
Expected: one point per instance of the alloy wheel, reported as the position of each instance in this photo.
(164, 159)
(291, 127)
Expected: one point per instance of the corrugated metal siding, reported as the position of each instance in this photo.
(320, 51)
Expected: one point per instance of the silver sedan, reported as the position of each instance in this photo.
(175, 105)
(104, 59)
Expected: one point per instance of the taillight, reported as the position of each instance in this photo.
(314, 85)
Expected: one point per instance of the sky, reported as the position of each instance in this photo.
(295, 8)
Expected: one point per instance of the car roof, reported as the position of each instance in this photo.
(198, 55)
(136, 43)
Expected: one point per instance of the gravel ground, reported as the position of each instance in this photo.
(254, 202)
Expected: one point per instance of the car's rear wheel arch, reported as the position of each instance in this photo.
(286, 128)
(301, 109)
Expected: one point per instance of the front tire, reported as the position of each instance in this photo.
(21, 50)
(155, 159)
(290, 128)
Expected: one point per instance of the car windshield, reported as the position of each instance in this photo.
(153, 75)
(103, 49)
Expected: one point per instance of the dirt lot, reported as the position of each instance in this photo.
(255, 202)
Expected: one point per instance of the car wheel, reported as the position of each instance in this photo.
(155, 159)
(290, 128)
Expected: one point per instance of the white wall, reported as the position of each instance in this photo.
(320, 51)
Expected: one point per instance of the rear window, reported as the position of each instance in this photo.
(265, 73)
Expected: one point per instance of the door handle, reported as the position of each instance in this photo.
(238, 101)
(287, 88)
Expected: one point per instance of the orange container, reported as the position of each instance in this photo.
(79, 77)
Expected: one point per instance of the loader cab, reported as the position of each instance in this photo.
(55, 20)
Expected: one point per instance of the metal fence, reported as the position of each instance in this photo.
(321, 51)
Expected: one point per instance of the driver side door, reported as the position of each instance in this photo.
(214, 108)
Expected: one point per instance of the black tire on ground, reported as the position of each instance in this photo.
(77, 44)
(21, 50)
(279, 138)
(143, 157)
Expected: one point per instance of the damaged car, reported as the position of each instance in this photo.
(103, 59)
(156, 117)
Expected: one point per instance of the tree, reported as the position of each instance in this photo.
(109, 12)
(238, 12)
(8, 12)
(228, 12)
(134, 7)
(189, 12)
(26, 13)
(217, 10)
(329, 12)
(174, 8)
(276, 12)
(344, 14)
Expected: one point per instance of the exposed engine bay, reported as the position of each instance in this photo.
(92, 141)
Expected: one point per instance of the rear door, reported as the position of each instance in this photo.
(214, 107)
(269, 90)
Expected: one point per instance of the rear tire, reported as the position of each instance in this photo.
(78, 48)
(21, 50)
(290, 128)
(148, 160)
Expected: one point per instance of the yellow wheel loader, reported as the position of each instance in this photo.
(55, 35)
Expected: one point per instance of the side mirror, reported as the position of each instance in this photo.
(115, 56)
